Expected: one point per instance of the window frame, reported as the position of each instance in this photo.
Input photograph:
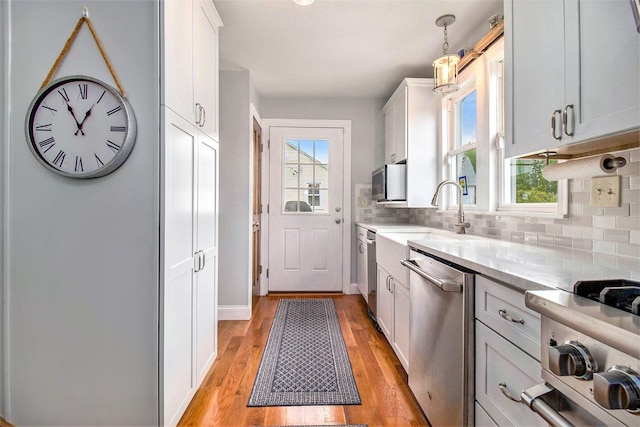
(486, 75)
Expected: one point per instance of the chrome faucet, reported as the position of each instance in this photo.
(460, 225)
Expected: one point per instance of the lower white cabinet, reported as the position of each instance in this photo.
(385, 303)
(401, 323)
(502, 372)
(361, 263)
(189, 254)
(393, 314)
(507, 355)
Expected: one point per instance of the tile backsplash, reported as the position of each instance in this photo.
(610, 231)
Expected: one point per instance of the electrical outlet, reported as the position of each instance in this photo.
(605, 191)
(362, 202)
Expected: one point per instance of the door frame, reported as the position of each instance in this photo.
(347, 222)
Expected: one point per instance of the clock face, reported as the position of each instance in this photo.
(80, 127)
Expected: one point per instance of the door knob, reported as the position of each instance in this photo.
(338, 209)
(338, 220)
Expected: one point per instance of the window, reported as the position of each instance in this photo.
(306, 175)
(462, 109)
(473, 138)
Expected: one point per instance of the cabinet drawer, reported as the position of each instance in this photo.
(495, 304)
(361, 233)
(482, 419)
(500, 362)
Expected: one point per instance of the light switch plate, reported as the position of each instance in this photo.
(605, 191)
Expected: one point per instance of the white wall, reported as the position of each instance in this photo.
(82, 255)
(234, 280)
(367, 134)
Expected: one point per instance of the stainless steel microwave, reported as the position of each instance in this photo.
(389, 183)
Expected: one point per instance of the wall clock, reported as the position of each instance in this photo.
(80, 127)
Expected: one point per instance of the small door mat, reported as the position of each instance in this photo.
(305, 361)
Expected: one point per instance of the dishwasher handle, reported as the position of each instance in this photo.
(444, 285)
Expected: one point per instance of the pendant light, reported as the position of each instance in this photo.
(303, 2)
(445, 68)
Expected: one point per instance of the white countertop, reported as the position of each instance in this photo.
(527, 266)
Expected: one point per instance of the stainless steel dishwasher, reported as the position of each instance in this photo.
(441, 339)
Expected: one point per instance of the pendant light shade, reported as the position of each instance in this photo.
(445, 68)
(303, 2)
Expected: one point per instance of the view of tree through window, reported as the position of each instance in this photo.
(527, 184)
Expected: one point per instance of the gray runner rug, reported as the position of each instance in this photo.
(305, 361)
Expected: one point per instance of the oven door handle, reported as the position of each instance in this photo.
(443, 285)
(532, 398)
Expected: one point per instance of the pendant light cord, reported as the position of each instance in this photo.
(67, 46)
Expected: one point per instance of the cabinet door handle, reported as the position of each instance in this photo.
(553, 125)
(204, 260)
(503, 389)
(204, 117)
(198, 113)
(361, 248)
(504, 315)
(565, 120)
(196, 261)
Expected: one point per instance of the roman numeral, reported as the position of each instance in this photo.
(64, 95)
(115, 147)
(79, 167)
(99, 162)
(100, 99)
(115, 110)
(43, 128)
(84, 90)
(53, 110)
(59, 158)
(118, 128)
(47, 144)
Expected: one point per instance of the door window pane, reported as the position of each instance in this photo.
(305, 176)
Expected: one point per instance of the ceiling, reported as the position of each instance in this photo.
(343, 48)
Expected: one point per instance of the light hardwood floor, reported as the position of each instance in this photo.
(381, 380)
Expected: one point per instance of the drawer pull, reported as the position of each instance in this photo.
(504, 315)
(503, 389)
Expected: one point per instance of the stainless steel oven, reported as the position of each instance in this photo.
(590, 354)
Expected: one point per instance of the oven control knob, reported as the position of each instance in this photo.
(618, 388)
(571, 358)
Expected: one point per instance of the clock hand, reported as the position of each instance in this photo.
(87, 114)
(70, 109)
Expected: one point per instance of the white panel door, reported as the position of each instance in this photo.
(305, 209)
(178, 357)
(206, 289)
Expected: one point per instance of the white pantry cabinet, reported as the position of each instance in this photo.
(190, 61)
(573, 64)
(411, 136)
(189, 206)
(190, 259)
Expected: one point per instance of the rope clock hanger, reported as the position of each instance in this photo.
(78, 126)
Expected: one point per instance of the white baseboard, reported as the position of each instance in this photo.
(354, 290)
(234, 312)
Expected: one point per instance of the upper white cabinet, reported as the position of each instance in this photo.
(190, 61)
(571, 72)
(395, 122)
(411, 136)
